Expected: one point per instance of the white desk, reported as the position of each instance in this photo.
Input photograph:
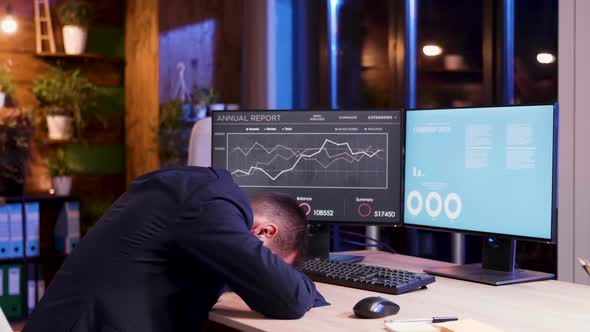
(537, 306)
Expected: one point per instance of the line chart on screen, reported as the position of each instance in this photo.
(319, 160)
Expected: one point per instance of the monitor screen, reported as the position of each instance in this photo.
(341, 166)
(485, 170)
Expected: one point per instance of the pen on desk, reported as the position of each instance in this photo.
(585, 265)
(428, 320)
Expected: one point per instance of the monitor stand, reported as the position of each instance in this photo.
(319, 245)
(497, 267)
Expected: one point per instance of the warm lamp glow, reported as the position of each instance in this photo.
(545, 58)
(432, 50)
(8, 24)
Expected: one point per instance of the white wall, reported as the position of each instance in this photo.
(574, 155)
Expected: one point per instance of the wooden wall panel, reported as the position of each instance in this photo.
(24, 39)
(17, 52)
(141, 88)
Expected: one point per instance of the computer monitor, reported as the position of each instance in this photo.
(343, 167)
(488, 171)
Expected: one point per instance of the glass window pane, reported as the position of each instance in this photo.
(361, 40)
(535, 51)
(450, 66)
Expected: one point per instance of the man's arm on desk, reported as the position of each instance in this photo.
(225, 245)
(318, 298)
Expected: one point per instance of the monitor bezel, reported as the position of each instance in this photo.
(554, 179)
(399, 222)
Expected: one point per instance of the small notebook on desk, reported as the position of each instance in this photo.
(466, 325)
(462, 325)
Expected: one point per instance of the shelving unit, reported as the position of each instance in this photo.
(79, 57)
(49, 259)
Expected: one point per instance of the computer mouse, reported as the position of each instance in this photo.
(375, 307)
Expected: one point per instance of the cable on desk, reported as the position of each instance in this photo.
(383, 245)
(362, 244)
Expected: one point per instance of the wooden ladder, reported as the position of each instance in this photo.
(43, 26)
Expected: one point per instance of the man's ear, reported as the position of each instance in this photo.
(265, 231)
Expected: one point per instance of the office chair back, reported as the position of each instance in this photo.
(4, 325)
(199, 147)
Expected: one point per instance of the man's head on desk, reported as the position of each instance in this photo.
(281, 225)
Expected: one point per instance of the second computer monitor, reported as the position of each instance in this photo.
(482, 170)
(341, 166)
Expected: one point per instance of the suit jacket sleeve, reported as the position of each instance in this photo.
(218, 237)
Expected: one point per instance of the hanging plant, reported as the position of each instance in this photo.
(16, 131)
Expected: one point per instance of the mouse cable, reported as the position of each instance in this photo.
(383, 245)
(361, 244)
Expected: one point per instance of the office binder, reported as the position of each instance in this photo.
(4, 232)
(15, 219)
(3, 297)
(13, 291)
(40, 283)
(31, 287)
(32, 238)
(67, 228)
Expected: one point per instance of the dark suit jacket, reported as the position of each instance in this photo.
(159, 257)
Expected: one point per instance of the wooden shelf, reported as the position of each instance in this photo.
(80, 57)
(44, 258)
(16, 260)
(47, 141)
(38, 197)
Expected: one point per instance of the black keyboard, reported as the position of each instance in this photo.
(367, 277)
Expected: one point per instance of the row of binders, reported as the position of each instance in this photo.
(11, 230)
(66, 234)
(12, 294)
(12, 242)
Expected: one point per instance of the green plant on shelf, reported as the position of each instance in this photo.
(76, 12)
(60, 165)
(66, 93)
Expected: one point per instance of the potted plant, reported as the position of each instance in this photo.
(16, 131)
(6, 87)
(75, 17)
(171, 134)
(204, 97)
(60, 171)
(64, 99)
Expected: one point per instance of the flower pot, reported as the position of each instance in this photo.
(59, 127)
(2, 99)
(74, 39)
(62, 185)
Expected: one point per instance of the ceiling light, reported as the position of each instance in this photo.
(8, 23)
(432, 50)
(545, 58)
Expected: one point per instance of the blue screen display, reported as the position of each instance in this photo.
(481, 169)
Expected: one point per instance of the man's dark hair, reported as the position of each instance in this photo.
(283, 209)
